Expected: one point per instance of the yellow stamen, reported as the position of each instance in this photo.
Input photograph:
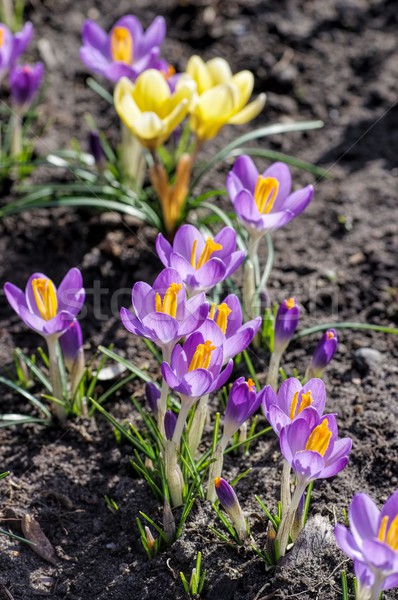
(169, 303)
(251, 385)
(1, 37)
(306, 401)
(330, 335)
(202, 357)
(293, 406)
(290, 303)
(122, 45)
(389, 534)
(265, 193)
(212, 310)
(46, 297)
(319, 438)
(169, 72)
(210, 247)
(217, 482)
(222, 317)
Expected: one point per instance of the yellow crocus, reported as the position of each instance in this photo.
(149, 109)
(221, 97)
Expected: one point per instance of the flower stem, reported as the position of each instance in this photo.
(55, 377)
(132, 159)
(273, 370)
(186, 404)
(285, 526)
(285, 486)
(268, 265)
(197, 425)
(215, 470)
(16, 135)
(162, 402)
(377, 586)
(174, 476)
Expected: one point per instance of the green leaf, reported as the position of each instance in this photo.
(27, 395)
(123, 361)
(279, 156)
(100, 90)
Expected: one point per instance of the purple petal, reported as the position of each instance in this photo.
(378, 555)
(164, 249)
(212, 332)
(268, 399)
(293, 438)
(307, 465)
(238, 342)
(299, 200)
(245, 172)
(142, 299)
(181, 264)
(391, 582)
(346, 542)
(235, 318)
(192, 343)
(71, 293)
(286, 394)
(165, 279)
(30, 297)
(318, 392)
(212, 272)
(281, 172)
(333, 468)
(154, 35)
(15, 296)
(170, 377)
(277, 418)
(364, 518)
(197, 383)
(32, 320)
(363, 574)
(163, 326)
(390, 509)
(93, 35)
(222, 377)
(196, 312)
(58, 324)
(246, 209)
(184, 240)
(234, 262)
(227, 239)
(132, 324)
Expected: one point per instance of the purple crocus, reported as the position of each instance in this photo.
(229, 501)
(201, 263)
(71, 343)
(228, 316)
(44, 308)
(126, 51)
(243, 401)
(12, 46)
(162, 313)
(291, 401)
(311, 446)
(265, 202)
(170, 420)
(323, 354)
(372, 542)
(25, 80)
(152, 393)
(286, 322)
(195, 368)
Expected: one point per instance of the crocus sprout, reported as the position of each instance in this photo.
(201, 263)
(25, 80)
(152, 394)
(170, 421)
(96, 149)
(126, 51)
(372, 542)
(222, 98)
(323, 354)
(49, 311)
(312, 448)
(229, 501)
(13, 45)
(243, 401)
(286, 322)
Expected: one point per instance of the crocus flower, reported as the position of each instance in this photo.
(323, 354)
(44, 308)
(286, 322)
(222, 97)
(161, 312)
(126, 51)
(229, 501)
(170, 420)
(152, 393)
(13, 45)
(265, 202)
(243, 401)
(201, 263)
(372, 541)
(291, 401)
(149, 109)
(25, 80)
(195, 368)
(228, 316)
(72, 344)
(96, 149)
(312, 447)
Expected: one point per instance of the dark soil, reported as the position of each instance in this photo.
(335, 61)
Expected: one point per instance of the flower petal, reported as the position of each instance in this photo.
(346, 542)
(364, 518)
(281, 172)
(15, 296)
(164, 249)
(70, 293)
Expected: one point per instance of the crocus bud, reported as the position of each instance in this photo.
(243, 401)
(323, 354)
(152, 394)
(71, 344)
(96, 149)
(170, 420)
(150, 540)
(286, 322)
(25, 80)
(229, 501)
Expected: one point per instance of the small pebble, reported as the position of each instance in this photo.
(367, 359)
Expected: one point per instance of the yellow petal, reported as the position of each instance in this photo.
(249, 112)
(150, 129)
(244, 80)
(219, 70)
(152, 93)
(125, 106)
(199, 72)
(175, 117)
(185, 90)
(218, 103)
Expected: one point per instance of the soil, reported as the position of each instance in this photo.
(335, 61)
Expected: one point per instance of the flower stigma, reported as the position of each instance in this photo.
(210, 247)
(169, 303)
(46, 297)
(202, 357)
(265, 193)
(122, 45)
(319, 438)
